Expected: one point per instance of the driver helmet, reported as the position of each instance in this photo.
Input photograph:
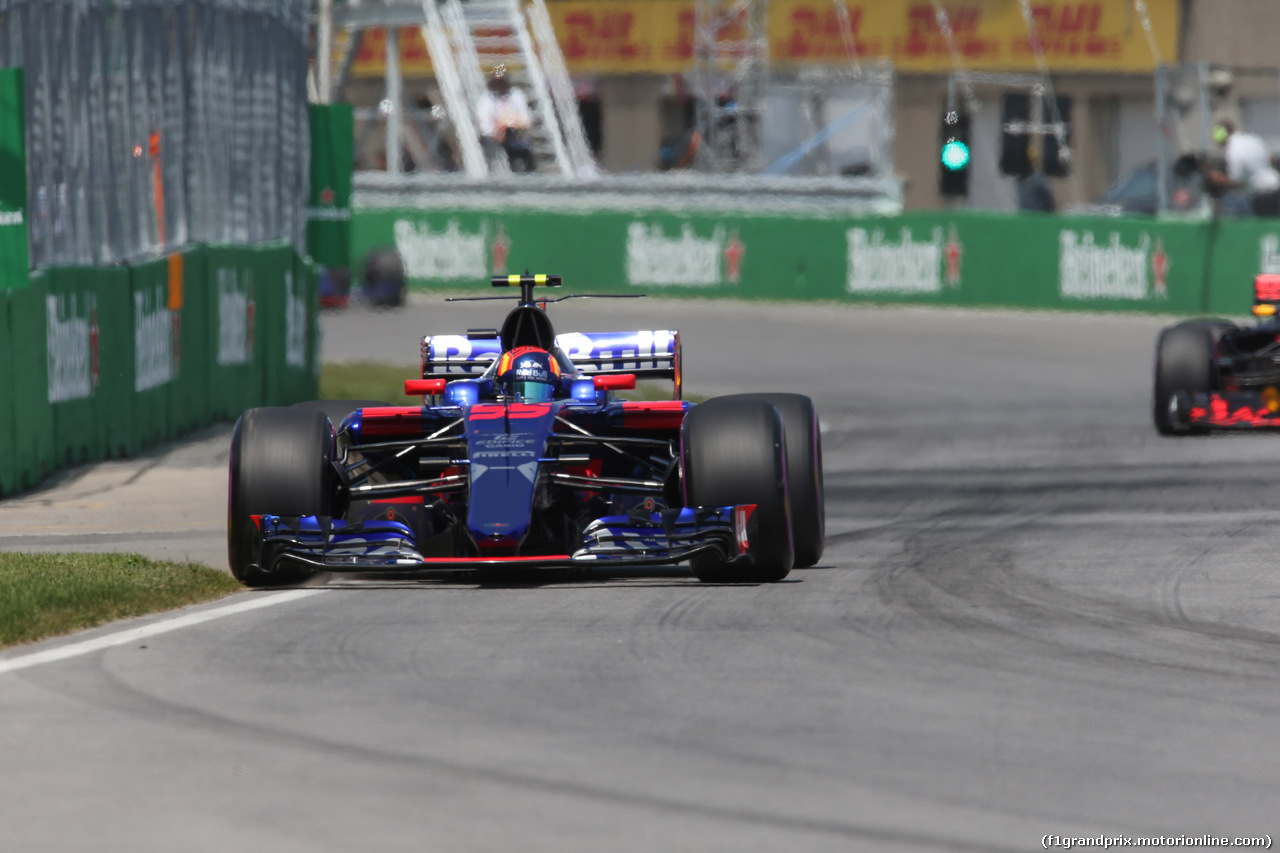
(529, 374)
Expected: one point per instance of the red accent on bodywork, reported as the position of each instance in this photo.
(451, 471)
(519, 411)
(616, 382)
(543, 559)
(592, 469)
(414, 387)
(1266, 288)
(516, 411)
(391, 420)
(1220, 414)
(659, 414)
(407, 499)
(741, 515)
(257, 521)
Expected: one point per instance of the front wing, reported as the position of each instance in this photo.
(1247, 409)
(658, 538)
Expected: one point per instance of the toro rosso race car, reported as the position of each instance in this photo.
(521, 456)
(1215, 374)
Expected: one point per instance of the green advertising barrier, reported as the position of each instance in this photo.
(33, 443)
(8, 466)
(940, 258)
(284, 340)
(189, 297)
(171, 338)
(102, 362)
(236, 296)
(90, 362)
(329, 207)
(299, 372)
(13, 181)
(1241, 249)
(157, 350)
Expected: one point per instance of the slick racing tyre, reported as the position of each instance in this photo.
(734, 452)
(1184, 365)
(804, 472)
(338, 409)
(281, 464)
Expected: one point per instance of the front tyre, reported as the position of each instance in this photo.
(804, 472)
(733, 451)
(281, 464)
(1184, 366)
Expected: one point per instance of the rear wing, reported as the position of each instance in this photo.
(649, 354)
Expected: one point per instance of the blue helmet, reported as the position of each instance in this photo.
(529, 374)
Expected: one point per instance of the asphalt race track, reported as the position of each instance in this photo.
(1034, 617)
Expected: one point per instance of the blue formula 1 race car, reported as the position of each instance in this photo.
(522, 456)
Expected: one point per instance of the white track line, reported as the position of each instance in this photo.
(162, 627)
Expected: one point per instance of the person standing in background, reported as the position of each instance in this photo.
(1034, 192)
(1248, 168)
(505, 121)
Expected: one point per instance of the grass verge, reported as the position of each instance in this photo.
(45, 595)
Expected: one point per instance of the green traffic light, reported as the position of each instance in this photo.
(955, 154)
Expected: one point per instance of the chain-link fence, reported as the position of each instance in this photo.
(154, 123)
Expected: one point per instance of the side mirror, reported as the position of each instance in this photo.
(417, 387)
(615, 382)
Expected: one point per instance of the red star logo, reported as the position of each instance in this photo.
(327, 196)
(733, 253)
(1160, 268)
(951, 253)
(501, 245)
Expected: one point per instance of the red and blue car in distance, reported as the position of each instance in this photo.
(1213, 374)
(521, 455)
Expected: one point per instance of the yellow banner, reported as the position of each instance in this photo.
(370, 58)
(621, 36)
(656, 36)
(987, 35)
(624, 36)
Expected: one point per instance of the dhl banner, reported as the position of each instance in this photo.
(657, 36)
(988, 35)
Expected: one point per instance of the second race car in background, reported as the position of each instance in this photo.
(1215, 374)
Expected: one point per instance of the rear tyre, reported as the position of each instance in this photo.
(804, 472)
(1184, 365)
(733, 451)
(336, 410)
(281, 464)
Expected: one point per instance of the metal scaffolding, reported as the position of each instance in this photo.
(466, 41)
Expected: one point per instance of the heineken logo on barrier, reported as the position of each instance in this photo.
(11, 217)
(1111, 270)
(653, 258)
(155, 339)
(448, 254)
(236, 310)
(329, 214)
(295, 325)
(72, 345)
(905, 265)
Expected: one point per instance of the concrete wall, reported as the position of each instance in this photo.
(1240, 33)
